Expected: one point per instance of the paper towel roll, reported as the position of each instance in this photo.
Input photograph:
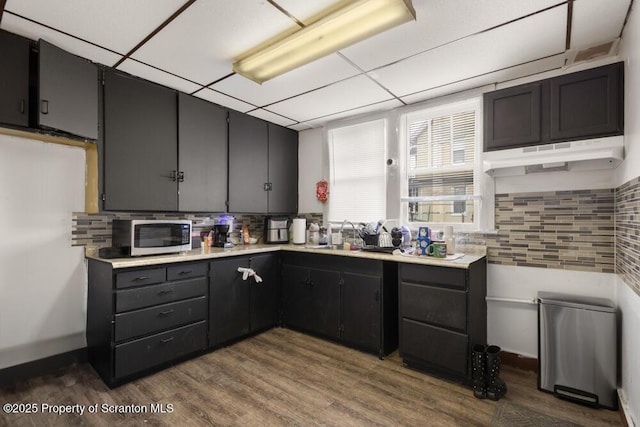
(299, 231)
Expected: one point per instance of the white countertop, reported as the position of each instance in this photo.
(462, 261)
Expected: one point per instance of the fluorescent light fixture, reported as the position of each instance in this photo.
(337, 28)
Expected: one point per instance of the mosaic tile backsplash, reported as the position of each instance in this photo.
(627, 216)
(570, 230)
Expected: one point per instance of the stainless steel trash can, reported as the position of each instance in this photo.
(577, 348)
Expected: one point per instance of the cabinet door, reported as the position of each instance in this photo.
(202, 148)
(588, 103)
(68, 87)
(248, 164)
(264, 295)
(228, 301)
(296, 297)
(361, 310)
(14, 79)
(283, 170)
(512, 117)
(140, 140)
(325, 308)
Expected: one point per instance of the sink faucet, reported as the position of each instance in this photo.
(352, 226)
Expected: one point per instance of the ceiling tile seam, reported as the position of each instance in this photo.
(3, 3)
(345, 111)
(234, 97)
(491, 72)
(356, 66)
(295, 122)
(468, 36)
(155, 31)
(164, 71)
(208, 86)
(286, 13)
(63, 32)
(626, 18)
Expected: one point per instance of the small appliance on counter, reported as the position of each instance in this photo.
(276, 229)
(222, 228)
(135, 237)
(299, 231)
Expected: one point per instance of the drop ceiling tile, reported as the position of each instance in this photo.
(158, 76)
(224, 100)
(308, 77)
(303, 10)
(300, 127)
(271, 117)
(486, 82)
(348, 94)
(380, 106)
(439, 22)
(34, 31)
(503, 47)
(202, 42)
(588, 28)
(115, 24)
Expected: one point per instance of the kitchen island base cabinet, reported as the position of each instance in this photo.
(238, 307)
(142, 319)
(443, 313)
(350, 301)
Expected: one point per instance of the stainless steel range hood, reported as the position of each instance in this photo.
(590, 154)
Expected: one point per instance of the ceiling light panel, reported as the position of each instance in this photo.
(588, 26)
(34, 31)
(438, 22)
(118, 25)
(503, 47)
(352, 93)
(304, 11)
(158, 76)
(319, 73)
(201, 43)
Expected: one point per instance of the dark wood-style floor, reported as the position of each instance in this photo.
(282, 377)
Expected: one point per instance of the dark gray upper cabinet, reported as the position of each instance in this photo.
(283, 170)
(14, 79)
(588, 103)
(202, 155)
(513, 117)
(581, 105)
(140, 138)
(248, 164)
(68, 92)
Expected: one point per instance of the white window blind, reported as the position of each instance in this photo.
(357, 190)
(442, 165)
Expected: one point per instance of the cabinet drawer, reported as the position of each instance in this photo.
(437, 306)
(131, 299)
(436, 346)
(140, 277)
(147, 352)
(187, 271)
(434, 276)
(154, 319)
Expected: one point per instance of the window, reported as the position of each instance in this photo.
(441, 185)
(358, 187)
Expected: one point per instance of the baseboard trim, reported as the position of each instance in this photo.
(48, 365)
(519, 361)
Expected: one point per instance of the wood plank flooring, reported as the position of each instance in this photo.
(282, 377)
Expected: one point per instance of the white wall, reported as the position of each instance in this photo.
(310, 169)
(43, 281)
(628, 301)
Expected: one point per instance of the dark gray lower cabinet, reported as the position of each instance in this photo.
(240, 307)
(353, 301)
(443, 312)
(141, 319)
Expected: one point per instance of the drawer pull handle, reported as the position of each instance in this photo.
(183, 272)
(166, 340)
(165, 291)
(165, 313)
(141, 278)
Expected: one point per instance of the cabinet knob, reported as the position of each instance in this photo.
(165, 313)
(22, 106)
(181, 176)
(166, 340)
(44, 106)
(173, 176)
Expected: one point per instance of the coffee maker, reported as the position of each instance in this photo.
(221, 229)
(276, 229)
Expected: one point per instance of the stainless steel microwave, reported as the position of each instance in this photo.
(137, 237)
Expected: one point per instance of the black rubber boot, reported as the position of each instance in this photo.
(496, 387)
(479, 373)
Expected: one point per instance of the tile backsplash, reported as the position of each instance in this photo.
(570, 230)
(627, 214)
